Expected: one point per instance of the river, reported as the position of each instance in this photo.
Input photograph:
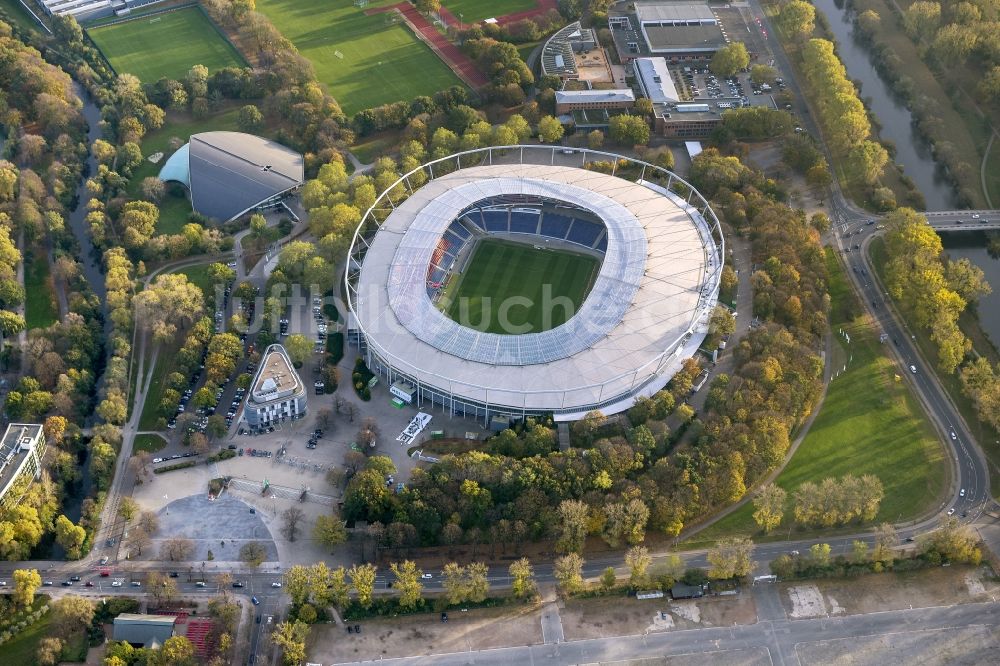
(971, 245)
(90, 264)
(895, 118)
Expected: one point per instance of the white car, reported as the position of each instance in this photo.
(156, 460)
(913, 369)
(427, 576)
(951, 511)
(275, 584)
(962, 493)
(975, 216)
(953, 435)
(116, 583)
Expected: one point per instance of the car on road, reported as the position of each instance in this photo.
(951, 511)
(89, 583)
(48, 583)
(427, 576)
(255, 600)
(157, 460)
(67, 583)
(913, 369)
(104, 560)
(136, 583)
(961, 493)
(975, 216)
(173, 574)
(238, 584)
(275, 584)
(75, 579)
(116, 583)
(953, 435)
(201, 583)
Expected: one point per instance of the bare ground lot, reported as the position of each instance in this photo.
(882, 592)
(961, 645)
(623, 616)
(747, 657)
(479, 628)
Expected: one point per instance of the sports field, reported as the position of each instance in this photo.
(364, 60)
(500, 271)
(165, 45)
(477, 10)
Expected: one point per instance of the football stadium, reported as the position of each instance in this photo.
(525, 280)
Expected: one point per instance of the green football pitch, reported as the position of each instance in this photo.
(165, 45)
(365, 60)
(477, 10)
(500, 271)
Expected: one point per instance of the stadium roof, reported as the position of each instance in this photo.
(590, 96)
(651, 290)
(673, 11)
(231, 173)
(655, 80)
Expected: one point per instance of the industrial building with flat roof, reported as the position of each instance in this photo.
(572, 100)
(559, 51)
(277, 392)
(676, 30)
(21, 453)
(229, 174)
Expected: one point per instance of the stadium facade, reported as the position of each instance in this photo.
(661, 252)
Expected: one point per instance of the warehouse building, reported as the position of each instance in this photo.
(674, 30)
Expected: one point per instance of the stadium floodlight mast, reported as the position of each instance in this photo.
(567, 370)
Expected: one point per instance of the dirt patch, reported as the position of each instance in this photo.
(891, 591)
(478, 629)
(963, 645)
(618, 616)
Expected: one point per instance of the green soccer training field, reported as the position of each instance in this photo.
(165, 45)
(501, 270)
(364, 60)
(477, 10)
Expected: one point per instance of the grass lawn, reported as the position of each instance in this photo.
(869, 423)
(375, 146)
(477, 10)
(40, 308)
(378, 61)
(18, 15)
(20, 650)
(501, 270)
(981, 432)
(165, 45)
(150, 443)
(150, 409)
(198, 275)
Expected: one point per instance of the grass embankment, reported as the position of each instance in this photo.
(165, 45)
(19, 16)
(501, 271)
(149, 443)
(150, 408)
(40, 307)
(987, 437)
(365, 60)
(869, 423)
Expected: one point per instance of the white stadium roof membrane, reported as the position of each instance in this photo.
(656, 287)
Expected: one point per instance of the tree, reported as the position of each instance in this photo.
(629, 130)
(177, 549)
(819, 554)
(595, 139)
(69, 536)
(291, 637)
(798, 19)
(49, 649)
(152, 188)
(550, 130)
(769, 506)
(477, 582)
(625, 520)
(330, 531)
(608, 579)
(731, 558)
(127, 508)
(428, 6)
(299, 348)
(291, 516)
(730, 59)
(859, 551)
(138, 539)
(522, 579)
(453, 581)
(407, 583)
(953, 542)
(637, 560)
(922, 19)
(26, 581)
(886, 540)
(989, 87)
(253, 553)
(871, 159)
(250, 118)
(149, 522)
(568, 573)
(763, 73)
(574, 516)
(297, 584)
(176, 651)
(169, 305)
(363, 580)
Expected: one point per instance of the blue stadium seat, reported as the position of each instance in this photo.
(603, 245)
(496, 220)
(474, 218)
(457, 229)
(523, 223)
(454, 242)
(555, 225)
(584, 232)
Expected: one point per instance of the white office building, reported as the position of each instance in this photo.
(277, 393)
